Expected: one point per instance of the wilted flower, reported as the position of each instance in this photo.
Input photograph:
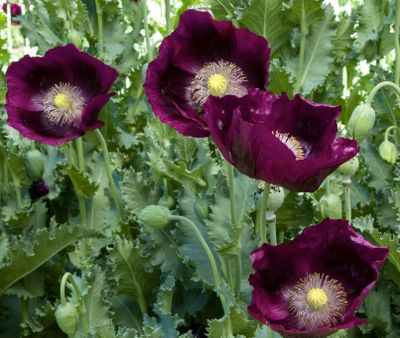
(203, 57)
(327, 272)
(15, 9)
(291, 143)
(58, 97)
(38, 189)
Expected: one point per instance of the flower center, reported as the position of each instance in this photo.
(294, 144)
(217, 85)
(218, 79)
(317, 298)
(63, 104)
(62, 101)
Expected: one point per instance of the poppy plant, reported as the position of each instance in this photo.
(58, 97)
(15, 9)
(203, 57)
(328, 271)
(291, 143)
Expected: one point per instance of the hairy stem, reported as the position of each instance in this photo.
(168, 16)
(304, 32)
(397, 43)
(99, 14)
(347, 198)
(378, 87)
(263, 210)
(146, 30)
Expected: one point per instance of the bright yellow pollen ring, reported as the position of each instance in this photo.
(317, 298)
(62, 101)
(217, 84)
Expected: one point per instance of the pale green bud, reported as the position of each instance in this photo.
(67, 318)
(349, 168)
(331, 206)
(361, 122)
(34, 164)
(388, 152)
(155, 216)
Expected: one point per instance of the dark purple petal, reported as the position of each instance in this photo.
(31, 79)
(38, 189)
(244, 128)
(330, 248)
(197, 41)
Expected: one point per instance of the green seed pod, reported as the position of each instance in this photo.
(275, 198)
(361, 122)
(155, 216)
(166, 201)
(388, 152)
(349, 168)
(34, 164)
(201, 209)
(331, 206)
(67, 318)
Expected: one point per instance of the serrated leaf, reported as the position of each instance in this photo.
(364, 223)
(46, 243)
(81, 181)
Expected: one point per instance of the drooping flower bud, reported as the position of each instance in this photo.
(67, 318)
(166, 201)
(201, 209)
(155, 216)
(361, 122)
(388, 152)
(330, 206)
(349, 168)
(34, 164)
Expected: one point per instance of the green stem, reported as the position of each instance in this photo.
(271, 221)
(263, 210)
(17, 187)
(25, 310)
(9, 25)
(236, 225)
(347, 198)
(281, 236)
(107, 165)
(211, 259)
(79, 150)
(389, 130)
(146, 30)
(379, 86)
(304, 32)
(99, 14)
(397, 43)
(168, 16)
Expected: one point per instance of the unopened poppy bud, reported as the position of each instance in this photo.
(275, 198)
(67, 318)
(361, 122)
(155, 216)
(75, 37)
(34, 164)
(166, 201)
(388, 152)
(330, 206)
(201, 209)
(349, 168)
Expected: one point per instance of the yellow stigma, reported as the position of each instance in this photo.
(62, 101)
(317, 298)
(217, 84)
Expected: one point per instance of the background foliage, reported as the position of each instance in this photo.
(141, 282)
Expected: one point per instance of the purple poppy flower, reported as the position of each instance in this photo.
(15, 9)
(203, 57)
(58, 97)
(291, 143)
(327, 272)
(38, 189)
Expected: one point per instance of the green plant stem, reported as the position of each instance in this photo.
(168, 16)
(263, 210)
(378, 87)
(347, 198)
(211, 259)
(397, 43)
(304, 32)
(107, 165)
(387, 132)
(99, 14)
(82, 307)
(236, 225)
(17, 187)
(281, 236)
(25, 310)
(9, 25)
(146, 30)
(79, 151)
(271, 221)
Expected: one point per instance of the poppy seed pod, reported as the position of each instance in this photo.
(201, 209)
(388, 152)
(349, 168)
(34, 164)
(361, 122)
(67, 318)
(155, 216)
(330, 206)
(275, 198)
